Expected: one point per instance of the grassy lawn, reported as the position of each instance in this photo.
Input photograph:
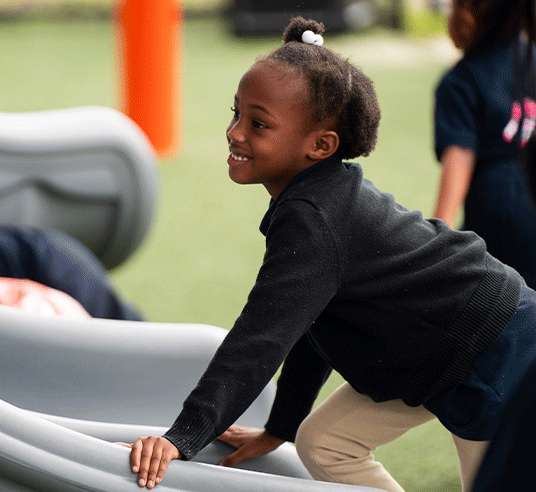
(204, 250)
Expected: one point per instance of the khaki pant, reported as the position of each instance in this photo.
(336, 440)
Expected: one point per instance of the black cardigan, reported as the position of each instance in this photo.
(398, 305)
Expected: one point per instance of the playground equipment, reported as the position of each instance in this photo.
(93, 382)
(88, 171)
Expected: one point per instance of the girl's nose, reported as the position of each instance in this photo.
(234, 132)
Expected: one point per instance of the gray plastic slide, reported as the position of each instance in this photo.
(124, 372)
(38, 455)
(75, 387)
(90, 172)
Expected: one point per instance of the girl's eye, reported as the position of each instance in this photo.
(254, 123)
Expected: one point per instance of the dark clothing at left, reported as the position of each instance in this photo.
(473, 105)
(57, 260)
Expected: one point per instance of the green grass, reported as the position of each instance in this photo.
(424, 22)
(204, 249)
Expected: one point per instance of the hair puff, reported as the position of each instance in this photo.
(298, 25)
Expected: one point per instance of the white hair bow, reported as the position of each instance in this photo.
(309, 37)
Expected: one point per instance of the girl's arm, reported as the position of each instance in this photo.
(458, 165)
(303, 374)
(301, 273)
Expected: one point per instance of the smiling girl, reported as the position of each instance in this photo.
(419, 319)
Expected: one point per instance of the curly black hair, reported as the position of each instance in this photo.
(338, 90)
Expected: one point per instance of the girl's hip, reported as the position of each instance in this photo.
(472, 409)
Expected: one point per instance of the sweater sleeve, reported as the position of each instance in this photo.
(300, 274)
(303, 374)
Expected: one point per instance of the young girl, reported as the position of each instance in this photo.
(484, 114)
(420, 320)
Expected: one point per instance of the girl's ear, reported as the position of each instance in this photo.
(468, 24)
(325, 144)
(462, 25)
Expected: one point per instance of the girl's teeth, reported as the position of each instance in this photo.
(238, 157)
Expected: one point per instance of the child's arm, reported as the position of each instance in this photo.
(458, 165)
(301, 273)
(457, 119)
(303, 374)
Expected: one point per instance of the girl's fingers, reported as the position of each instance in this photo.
(164, 462)
(232, 459)
(144, 460)
(153, 463)
(238, 436)
(135, 455)
(250, 443)
(150, 458)
(242, 454)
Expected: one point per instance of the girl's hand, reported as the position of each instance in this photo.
(250, 443)
(150, 457)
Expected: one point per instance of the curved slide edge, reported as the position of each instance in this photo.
(283, 461)
(37, 455)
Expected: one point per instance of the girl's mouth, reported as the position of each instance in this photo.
(237, 158)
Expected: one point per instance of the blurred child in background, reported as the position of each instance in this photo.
(483, 116)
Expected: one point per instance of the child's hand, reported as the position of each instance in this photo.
(150, 457)
(250, 443)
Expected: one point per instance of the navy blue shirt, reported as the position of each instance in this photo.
(473, 105)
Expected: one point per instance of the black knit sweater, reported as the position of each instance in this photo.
(398, 305)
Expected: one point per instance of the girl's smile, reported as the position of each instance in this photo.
(269, 135)
(237, 158)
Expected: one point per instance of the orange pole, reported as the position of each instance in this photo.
(150, 41)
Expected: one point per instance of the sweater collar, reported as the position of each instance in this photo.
(265, 223)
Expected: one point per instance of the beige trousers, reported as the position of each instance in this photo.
(335, 441)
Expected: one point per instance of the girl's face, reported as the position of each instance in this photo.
(269, 134)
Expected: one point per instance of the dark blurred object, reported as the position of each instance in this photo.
(265, 17)
(529, 162)
(507, 465)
